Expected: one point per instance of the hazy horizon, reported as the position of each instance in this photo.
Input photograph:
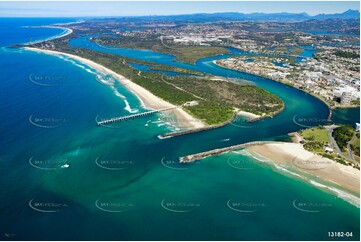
(138, 8)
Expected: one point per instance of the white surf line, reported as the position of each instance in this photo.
(66, 32)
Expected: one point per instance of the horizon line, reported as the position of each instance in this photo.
(178, 14)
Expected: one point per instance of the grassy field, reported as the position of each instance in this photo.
(317, 134)
(190, 54)
(316, 138)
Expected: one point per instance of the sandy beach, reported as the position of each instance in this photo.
(247, 114)
(300, 160)
(67, 32)
(146, 97)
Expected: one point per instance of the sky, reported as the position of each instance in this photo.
(93, 9)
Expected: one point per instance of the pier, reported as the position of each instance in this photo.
(125, 118)
(199, 156)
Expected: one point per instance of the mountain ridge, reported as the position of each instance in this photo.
(237, 16)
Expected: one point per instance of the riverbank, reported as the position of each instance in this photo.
(146, 97)
(296, 158)
(248, 115)
(286, 83)
(331, 106)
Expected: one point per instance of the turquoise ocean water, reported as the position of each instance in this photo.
(62, 177)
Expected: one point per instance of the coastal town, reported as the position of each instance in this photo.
(323, 63)
(332, 74)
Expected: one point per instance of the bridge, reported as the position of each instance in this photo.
(124, 118)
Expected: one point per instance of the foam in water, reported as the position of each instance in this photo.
(341, 194)
(65, 32)
(104, 79)
(287, 171)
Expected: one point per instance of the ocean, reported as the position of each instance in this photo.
(64, 178)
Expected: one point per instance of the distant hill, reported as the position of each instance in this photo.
(349, 14)
(235, 16)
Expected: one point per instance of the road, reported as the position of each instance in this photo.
(349, 148)
(335, 146)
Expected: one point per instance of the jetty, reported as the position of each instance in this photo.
(133, 116)
(202, 155)
(329, 118)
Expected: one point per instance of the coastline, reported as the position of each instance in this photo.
(248, 115)
(296, 158)
(146, 97)
(326, 174)
(67, 32)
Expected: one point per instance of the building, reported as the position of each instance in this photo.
(346, 98)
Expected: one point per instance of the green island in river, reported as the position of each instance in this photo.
(155, 42)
